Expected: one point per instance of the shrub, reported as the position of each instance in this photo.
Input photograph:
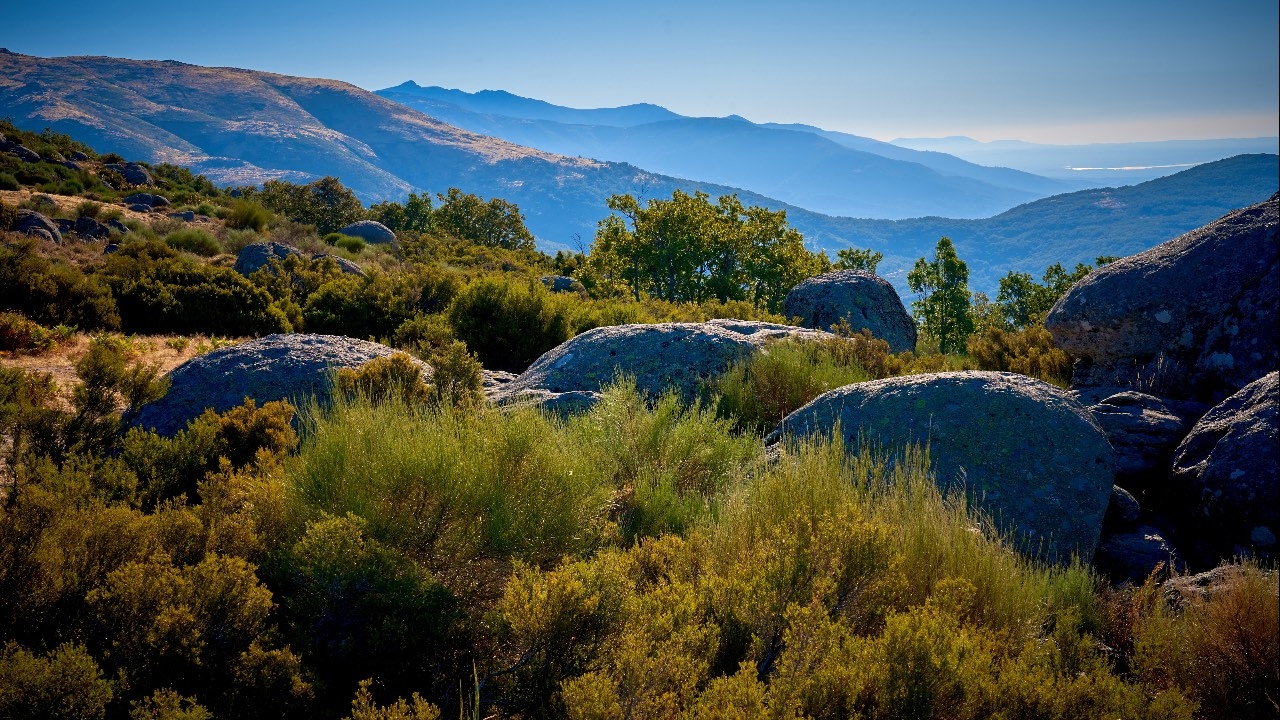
(19, 334)
(53, 293)
(457, 378)
(395, 376)
(353, 245)
(509, 323)
(88, 209)
(1030, 351)
(8, 216)
(248, 215)
(9, 182)
(195, 241)
(424, 334)
(65, 683)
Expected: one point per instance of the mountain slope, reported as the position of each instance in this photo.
(796, 166)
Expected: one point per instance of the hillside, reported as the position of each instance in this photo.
(794, 164)
(1069, 228)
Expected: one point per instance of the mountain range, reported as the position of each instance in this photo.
(827, 172)
(244, 127)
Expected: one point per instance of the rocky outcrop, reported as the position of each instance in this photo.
(277, 367)
(1024, 451)
(256, 256)
(1194, 317)
(865, 300)
(563, 284)
(36, 224)
(1143, 431)
(675, 356)
(372, 232)
(90, 229)
(1227, 470)
(148, 199)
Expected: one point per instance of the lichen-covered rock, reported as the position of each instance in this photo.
(372, 232)
(675, 356)
(563, 284)
(277, 367)
(253, 257)
(1143, 432)
(36, 224)
(1025, 452)
(1228, 471)
(865, 300)
(1194, 316)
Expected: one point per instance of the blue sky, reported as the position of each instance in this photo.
(1070, 72)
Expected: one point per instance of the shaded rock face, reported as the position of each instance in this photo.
(563, 284)
(277, 367)
(90, 229)
(1132, 556)
(1025, 452)
(866, 300)
(36, 224)
(1193, 317)
(370, 231)
(148, 199)
(1143, 431)
(1123, 511)
(259, 254)
(1227, 469)
(677, 356)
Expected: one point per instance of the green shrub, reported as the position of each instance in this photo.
(1030, 351)
(195, 241)
(8, 216)
(509, 323)
(457, 379)
(248, 215)
(65, 683)
(374, 306)
(9, 182)
(89, 209)
(159, 292)
(353, 245)
(18, 334)
(53, 293)
(424, 334)
(396, 376)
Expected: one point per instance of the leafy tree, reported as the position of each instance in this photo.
(325, 203)
(855, 259)
(687, 250)
(943, 310)
(1022, 302)
(414, 215)
(496, 223)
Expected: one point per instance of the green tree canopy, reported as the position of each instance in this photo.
(688, 250)
(1022, 302)
(944, 309)
(496, 223)
(325, 203)
(855, 259)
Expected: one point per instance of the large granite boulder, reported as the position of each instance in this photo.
(1025, 452)
(372, 232)
(676, 356)
(256, 256)
(346, 266)
(291, 367)
(136, 174)
(37, 224)
(866, 300)
(1227, 469)
(148, 199)
(1143, 431)
(1193, 317)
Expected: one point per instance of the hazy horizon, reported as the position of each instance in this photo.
(1093, 72)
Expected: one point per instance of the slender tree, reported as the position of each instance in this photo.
(943, 308)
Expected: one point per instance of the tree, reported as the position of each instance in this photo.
(496, 223)
(944, 309)
(686, 249)
(325, 203)
(414, 215)
(855, 259)
(1022, 302)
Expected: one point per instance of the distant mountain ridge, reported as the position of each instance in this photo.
(244, 127)
(831, 173)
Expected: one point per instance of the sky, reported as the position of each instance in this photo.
(1064, 72)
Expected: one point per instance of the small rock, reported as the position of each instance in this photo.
(89, 228)
(78, 156)
(372, 232)
(140, 208)
(1132, 556)
(110, 248)
(36, 224)
(346, 266)
(259, 254)
(562, 284)
(185, 216)
(136, 174)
